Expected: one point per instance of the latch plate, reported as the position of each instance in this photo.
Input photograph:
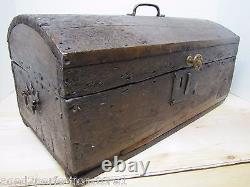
(184, 86)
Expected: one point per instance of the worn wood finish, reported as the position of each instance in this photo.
(143, 109)
(91, 79)
(34, 64)
(92, 87)
(75, 46)
(79, 40)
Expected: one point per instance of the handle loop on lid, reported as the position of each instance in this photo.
(146, 4)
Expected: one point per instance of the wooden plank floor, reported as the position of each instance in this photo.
(205, 153)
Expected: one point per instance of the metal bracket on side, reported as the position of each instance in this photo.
(31, 98)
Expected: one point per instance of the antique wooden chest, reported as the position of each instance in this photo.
(92, 87)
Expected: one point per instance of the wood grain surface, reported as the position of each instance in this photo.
(218, 138)
(93, 87)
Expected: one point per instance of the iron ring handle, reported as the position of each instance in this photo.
(147, 4)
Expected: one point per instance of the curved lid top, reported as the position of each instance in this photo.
(78, 40)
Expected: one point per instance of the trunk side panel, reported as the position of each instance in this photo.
(38, 76)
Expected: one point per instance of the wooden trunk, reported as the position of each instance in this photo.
(92, 87)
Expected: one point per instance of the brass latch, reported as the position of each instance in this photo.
(196, 62)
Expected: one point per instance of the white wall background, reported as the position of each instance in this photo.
(233, 14)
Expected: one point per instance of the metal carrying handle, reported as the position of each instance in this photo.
(147, 4)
